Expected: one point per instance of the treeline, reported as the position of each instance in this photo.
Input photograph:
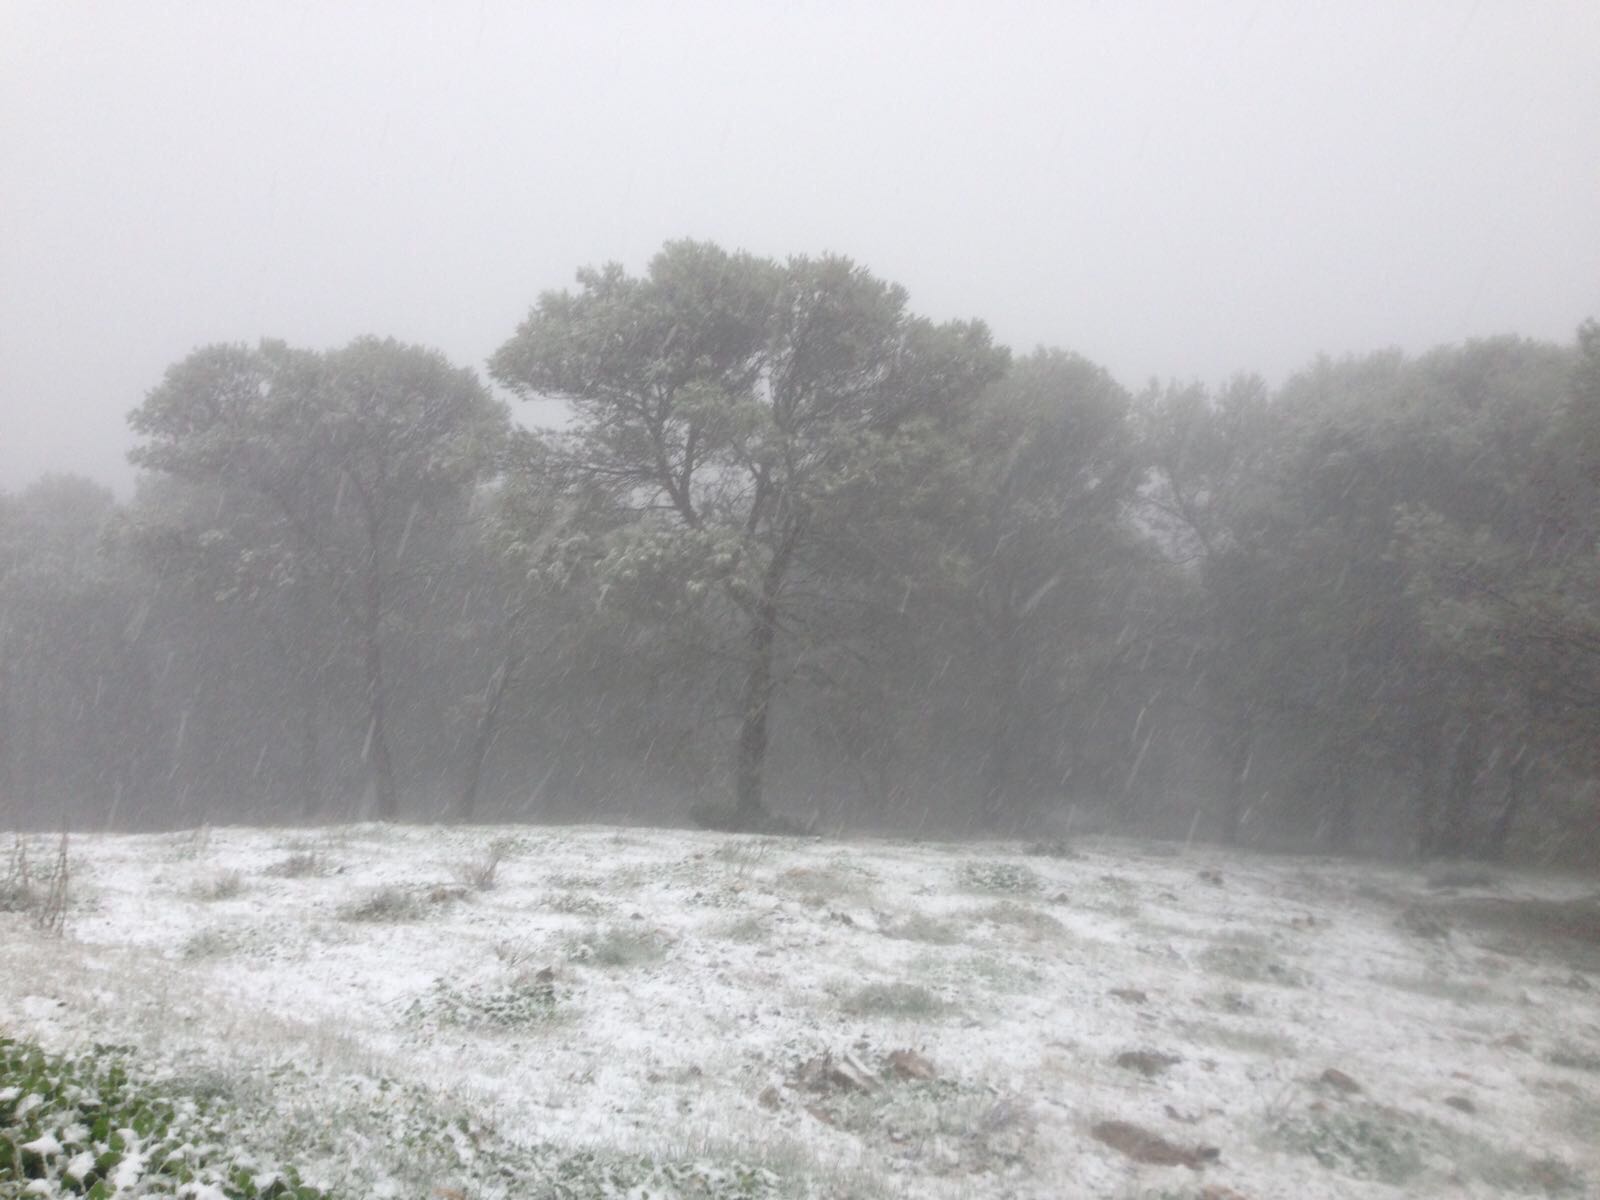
(798, 553)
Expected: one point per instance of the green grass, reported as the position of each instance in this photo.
(1008, 878)
(901, 1000)
(618, 946)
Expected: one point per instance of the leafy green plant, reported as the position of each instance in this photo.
(523, 1004)
(82, 1127)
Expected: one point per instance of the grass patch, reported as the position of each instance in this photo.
(819, 885)
(1021, 916)
(1000, 973)
(749, 930)
(1015, 879)
(1251, 964)
(1246, 1041)
(223, 886)
(579, 904)
(919, 927)
(905, 1001)
(1437, 987)
(1573, 1057)
(41, 890)
(301, 864)
(209, 943)
(527, 1003)
(386, 905)
(1512, 1173)
(618, 946)
(479, 873)
(1360, 1142)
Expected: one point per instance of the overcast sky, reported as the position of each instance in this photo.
(1174, 190)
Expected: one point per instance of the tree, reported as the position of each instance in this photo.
(76, 723)
(340, 460)
(760, 422)
(1043, 539)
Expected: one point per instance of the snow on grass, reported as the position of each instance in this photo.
(494, 1012)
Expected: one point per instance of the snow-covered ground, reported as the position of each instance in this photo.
(1288, 1027)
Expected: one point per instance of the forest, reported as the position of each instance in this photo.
(797, 558)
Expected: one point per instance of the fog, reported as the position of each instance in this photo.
(1173, 190)
(724, 601)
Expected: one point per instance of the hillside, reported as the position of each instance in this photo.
(415, 1012)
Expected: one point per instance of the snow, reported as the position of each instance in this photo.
(746, 958)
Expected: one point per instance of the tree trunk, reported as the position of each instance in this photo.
(755, 705)
(1455, 835)
(1238, 772)
(1427, 802)
(310, 801)
(1341, 809)
(1499, 832)
(998, 803)
(377, 749)
(488, 726)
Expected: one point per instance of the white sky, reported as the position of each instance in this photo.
(1174, 190)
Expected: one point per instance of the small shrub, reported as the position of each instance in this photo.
(525, 1003)
(894, 1000)
(1360, 1142)
(209, 943)
(618, 946)
(1012, 878)
(919, 927)
(18, 888)
(224, 886)
(1021, 916)
(579, 904)
(386, 904)
(479, 873)
(195, 843)
(1512, 1173)
(301, 864)
(1057, 847)
(1573, 1057)
(744, 929)
(41, 892)
(834, 882)
(1251, 964)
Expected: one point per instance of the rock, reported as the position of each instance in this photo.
(1462, 1103)
(1215, 1191)
(1142, 1145)
(770, 1098)
(908, 1064)
(1211, 876)
(1130, 994)
(1339, 1081)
